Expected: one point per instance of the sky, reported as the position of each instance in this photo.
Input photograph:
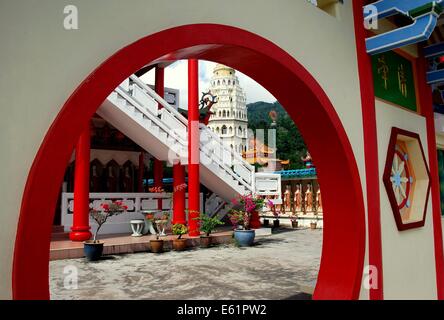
(176, 78)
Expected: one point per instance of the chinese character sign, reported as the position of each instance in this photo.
(394, 80)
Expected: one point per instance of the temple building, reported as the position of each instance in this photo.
(229, 119)
(264, 156)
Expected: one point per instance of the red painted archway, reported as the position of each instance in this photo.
(344, 234)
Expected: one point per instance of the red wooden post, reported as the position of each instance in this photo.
(179, 194)
(80, 230)
(193, 148)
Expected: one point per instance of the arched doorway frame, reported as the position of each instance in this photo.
(343, 248)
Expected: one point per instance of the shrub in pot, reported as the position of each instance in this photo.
(240, 219)
(156, 245)
(93, 249)
(179, 244)
(207, 225)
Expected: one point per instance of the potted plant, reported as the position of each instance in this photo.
(294, 221)
(93, 249)
(179, 244)
(240, 219)
(272, 206)
(207, 225)
(156, 245)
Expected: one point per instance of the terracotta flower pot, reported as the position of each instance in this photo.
(179, 244)
(205, 241)
(313, 225)
(156, 246)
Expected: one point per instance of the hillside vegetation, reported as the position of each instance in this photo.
(289, 142)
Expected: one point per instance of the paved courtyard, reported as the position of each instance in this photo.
(279, 266)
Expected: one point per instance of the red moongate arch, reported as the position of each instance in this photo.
(344, 233)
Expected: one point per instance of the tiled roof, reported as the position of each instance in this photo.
(299, 173)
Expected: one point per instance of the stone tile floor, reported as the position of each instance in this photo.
(279, 266)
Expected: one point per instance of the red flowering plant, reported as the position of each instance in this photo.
(108, 210)
(156, 190)
(240, 218)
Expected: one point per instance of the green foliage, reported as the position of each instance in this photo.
(179, 230)
(208, 224)
(289, 142)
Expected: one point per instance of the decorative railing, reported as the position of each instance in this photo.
(136, 202)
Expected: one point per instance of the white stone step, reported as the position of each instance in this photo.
(263, 232)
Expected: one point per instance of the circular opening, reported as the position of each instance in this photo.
(344, 234)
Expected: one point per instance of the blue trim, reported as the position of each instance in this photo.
(299, 173)
(435, 76)
(419, 30)
(434, 50)
(150, 182)
(387, 8)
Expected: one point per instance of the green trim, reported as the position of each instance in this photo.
(431, 7)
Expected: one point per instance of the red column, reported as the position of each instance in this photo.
(370, 150)
(141, 173)
(80, 230)
(193, 148)
(179, 194)
(158, 166)
(426, 107)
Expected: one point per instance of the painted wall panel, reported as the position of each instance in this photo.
(404, 253)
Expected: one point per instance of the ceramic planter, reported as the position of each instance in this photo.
(313, 225)
(93, 250)
(294, 224)
(179, 244)
(244, 238)
(266, 222)
(156, 246)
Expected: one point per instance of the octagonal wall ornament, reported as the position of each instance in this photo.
(407, 179)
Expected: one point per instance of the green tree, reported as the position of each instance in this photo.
(289, 142)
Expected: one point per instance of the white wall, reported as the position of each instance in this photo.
(41, 64)
(407, 256)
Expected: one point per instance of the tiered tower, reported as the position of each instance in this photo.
(229, 120)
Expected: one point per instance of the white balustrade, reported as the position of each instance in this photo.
(118, 223)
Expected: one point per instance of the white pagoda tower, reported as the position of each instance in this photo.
(229, 121)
